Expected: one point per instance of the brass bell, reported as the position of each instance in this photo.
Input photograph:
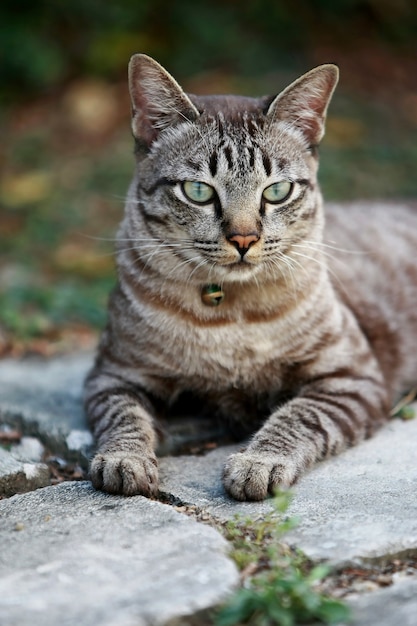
(212, 295)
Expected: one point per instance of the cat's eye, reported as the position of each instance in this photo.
(278, 192)
(198, 192)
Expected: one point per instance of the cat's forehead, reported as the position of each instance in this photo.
(231, 107)
(236, 133)
(230, 115)
(231, 139)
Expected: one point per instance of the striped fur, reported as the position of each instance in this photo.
(314, 338)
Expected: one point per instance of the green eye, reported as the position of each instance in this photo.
(278, 192)
(198, 192)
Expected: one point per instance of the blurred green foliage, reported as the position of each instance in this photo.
(47, 42)
(66, 151)
(29, 311)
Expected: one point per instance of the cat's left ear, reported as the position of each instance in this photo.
(157, 99)
(304, 103)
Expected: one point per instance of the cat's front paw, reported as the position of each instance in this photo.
(255, 475)
(125, 473)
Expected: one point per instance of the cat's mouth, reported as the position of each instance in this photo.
(240, 265)
(238, 270)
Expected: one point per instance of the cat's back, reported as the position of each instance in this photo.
(372, 243)
(371, 251)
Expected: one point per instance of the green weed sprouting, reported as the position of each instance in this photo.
(279, 586)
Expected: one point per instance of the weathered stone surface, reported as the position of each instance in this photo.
(43, 397)
(17, 476)
(28, 449)
(359, 505)
(362, 504)
(71, 555)
(387, 607)
(197, 480)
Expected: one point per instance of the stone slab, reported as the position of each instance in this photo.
(362, 504)
(387, 607)
(43, 398)
(28, 449)
(72, 555)
(19, 476)
(357, 506)
(197, 480)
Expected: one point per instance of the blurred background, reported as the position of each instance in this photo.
(66, 150)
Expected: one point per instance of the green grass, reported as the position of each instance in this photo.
(29, 311)
(283, 590)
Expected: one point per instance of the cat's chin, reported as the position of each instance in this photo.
(239, 272)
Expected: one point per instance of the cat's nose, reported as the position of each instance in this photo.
(243, 242)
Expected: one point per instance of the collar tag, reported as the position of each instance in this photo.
(212, 295)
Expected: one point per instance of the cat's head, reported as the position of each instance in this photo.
(225, 185)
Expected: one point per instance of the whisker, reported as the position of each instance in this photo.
(150, 257)
(322, 264)
(275, 263)
(96, 238)
(322, 252)
(185, 262)
(293, 265)
(197, 267)
(161, 247)
(176, 242)
(257, 282)
(333, 257)
(325, 267)
(326, 245)
(213, 265)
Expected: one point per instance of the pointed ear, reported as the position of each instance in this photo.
(157, 99)
(304, 103)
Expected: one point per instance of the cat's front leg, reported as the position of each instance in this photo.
(311, 427)
(121, 420)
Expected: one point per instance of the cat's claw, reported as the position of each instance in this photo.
(255, 475)
(125, 473)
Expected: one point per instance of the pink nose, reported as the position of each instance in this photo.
(244, 242)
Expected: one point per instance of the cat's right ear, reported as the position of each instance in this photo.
(157, 99)
(304, 103)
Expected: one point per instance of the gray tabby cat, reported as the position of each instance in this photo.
(226, 289)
